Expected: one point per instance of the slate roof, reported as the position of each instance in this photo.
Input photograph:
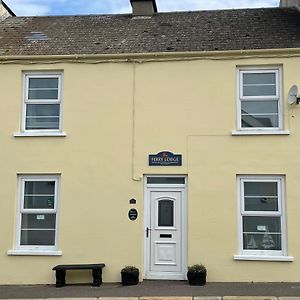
(266, 28)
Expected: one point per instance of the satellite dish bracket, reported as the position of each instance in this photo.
(293, 96)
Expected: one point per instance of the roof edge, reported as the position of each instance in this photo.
(156, 56)
(159, 13)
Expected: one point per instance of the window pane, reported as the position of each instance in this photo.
(166, 213)
(35, 94)
(266, 121)
(259, 113)
(259, 84)
(260, 189)
(38, 237)
(262, 233)
(43, 88)
(40, 187)
(259, 90)
(261, 224)
(38, 221)
(166, 180)
(257, 203)
(265, 241)
(42, 116)
(39, 202)
(38, 110)
(259, 107)
(43, 83)
(42, 123)
(259, 78)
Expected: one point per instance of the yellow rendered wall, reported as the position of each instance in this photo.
(186, 107)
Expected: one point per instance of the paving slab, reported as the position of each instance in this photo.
(289, 298)
(86, 298)
(249, 298)
(118, 298)
(207, 298)
(166, 298)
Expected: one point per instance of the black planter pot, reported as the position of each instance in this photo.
(130, 277)
(196, 278)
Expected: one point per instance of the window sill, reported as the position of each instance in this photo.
(260, 132)
(40, 134)
(34, 252)
(265, 258)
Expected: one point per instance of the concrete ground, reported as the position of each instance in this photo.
(152, 288)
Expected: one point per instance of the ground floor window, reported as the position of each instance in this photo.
(262, 215)
(37, 212)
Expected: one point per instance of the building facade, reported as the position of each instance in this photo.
(158, 140)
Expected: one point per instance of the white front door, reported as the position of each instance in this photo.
(166, 228)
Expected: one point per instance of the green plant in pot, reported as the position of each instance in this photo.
(197, 274)
(130, 275)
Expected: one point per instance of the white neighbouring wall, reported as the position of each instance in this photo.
(4, 13)
(288, 3)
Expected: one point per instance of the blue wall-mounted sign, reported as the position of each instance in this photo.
(165, 158)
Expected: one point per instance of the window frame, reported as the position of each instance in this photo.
(280, 180)
(278, 97)
(26, 77)
(21, 210)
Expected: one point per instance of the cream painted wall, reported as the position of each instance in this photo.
(187, 107)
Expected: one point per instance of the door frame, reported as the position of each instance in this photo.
(184, 227)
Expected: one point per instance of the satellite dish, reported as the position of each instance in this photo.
(293, 95)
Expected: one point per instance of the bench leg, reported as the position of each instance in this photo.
(97, 277)
(60, 278)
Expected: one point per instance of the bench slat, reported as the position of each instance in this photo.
(79, 267)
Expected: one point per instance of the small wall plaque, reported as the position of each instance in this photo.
(133, 214)
(165, 158)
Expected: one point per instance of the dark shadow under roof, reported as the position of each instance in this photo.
(219, 30)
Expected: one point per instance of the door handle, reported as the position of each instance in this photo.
(147, 231)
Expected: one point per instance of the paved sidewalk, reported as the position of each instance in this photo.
(181, 298)
(152, 288)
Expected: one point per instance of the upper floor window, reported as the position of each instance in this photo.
(259, 99)
(42, 102)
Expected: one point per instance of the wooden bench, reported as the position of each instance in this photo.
(61, 272)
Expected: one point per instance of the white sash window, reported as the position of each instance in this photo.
(259, 99)
(37, 212)
(262, 224)
(42, 102)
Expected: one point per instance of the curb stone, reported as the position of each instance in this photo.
(69, 298)
(171, 298)
(118, 298)
(249, 298)
(166, 298)
(209, 298)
